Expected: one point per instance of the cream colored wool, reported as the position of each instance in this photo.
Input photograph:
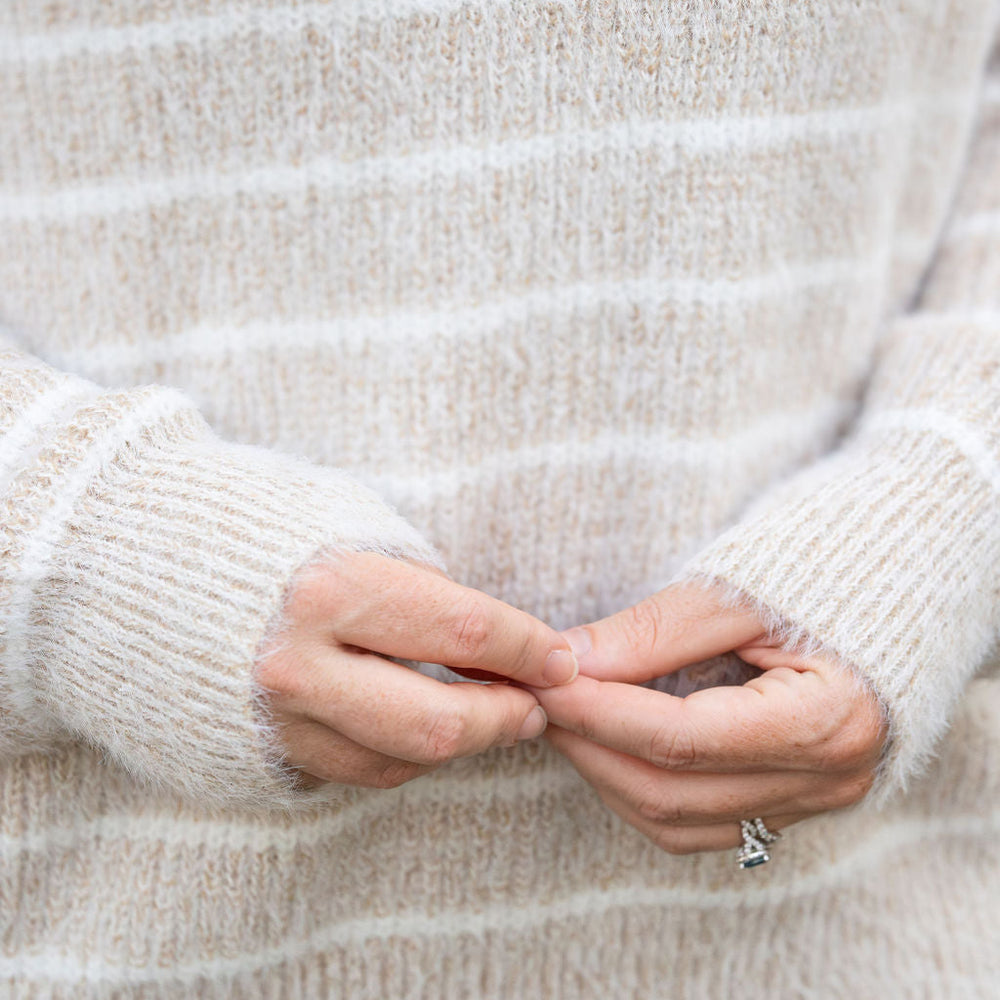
(597, 294)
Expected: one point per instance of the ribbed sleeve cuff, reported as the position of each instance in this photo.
(885, 554)
(161, 578)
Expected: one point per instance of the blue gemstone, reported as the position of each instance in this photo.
(754, 858)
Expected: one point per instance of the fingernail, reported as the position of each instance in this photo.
(560, 667)
(534, 725)
(579, 641)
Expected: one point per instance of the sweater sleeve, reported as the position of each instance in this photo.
(143, 562)
(887, 551)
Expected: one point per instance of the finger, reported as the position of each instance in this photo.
(392, 709)
(782, 720)
(403, 610)
(694, 839)
(676, 627)
(690, 799)
(322, 754)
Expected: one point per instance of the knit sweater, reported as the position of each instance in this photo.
(575, 298)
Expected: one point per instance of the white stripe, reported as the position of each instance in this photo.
(790, 431)
(33, 563)
(287, 19)
(978, 224)
(442, 789)
(967, 438)
(50, 408)
(912, 244)
(679, 138)
(862, 856)
(405, 327)
(989, 319)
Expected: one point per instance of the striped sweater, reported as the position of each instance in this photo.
(576, 296)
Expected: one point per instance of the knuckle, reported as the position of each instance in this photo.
(825, 754)
(856, 747)
(673, 748)
(652, 804)
(648, 808)
(643, 625)
(445, 737)
(470, 633)
(849, 733)
(319, 590)
(857, 744)
(281, 674)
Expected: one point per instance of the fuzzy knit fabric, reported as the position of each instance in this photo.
(575, 298)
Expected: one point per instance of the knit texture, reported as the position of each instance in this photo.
(146, 563)
(598, 295)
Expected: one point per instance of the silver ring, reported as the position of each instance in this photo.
(756, 838)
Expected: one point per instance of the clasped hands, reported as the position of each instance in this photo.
(802, 738)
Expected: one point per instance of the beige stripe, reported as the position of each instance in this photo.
(281, 19)
(587, 904)
(676, 142)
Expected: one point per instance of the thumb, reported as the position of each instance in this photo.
(683, 624)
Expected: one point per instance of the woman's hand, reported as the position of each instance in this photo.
(348, 714)
(802, 738)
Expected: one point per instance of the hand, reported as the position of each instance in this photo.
(347, 713)
(802, 738)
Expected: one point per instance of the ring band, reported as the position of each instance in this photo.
(763, 833)
(756, 839)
